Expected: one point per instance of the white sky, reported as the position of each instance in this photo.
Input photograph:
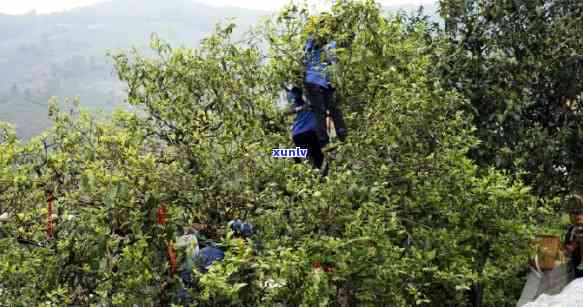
(49, 6)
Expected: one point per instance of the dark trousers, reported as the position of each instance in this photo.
(576, 255)
(322, 99)
(309, 140)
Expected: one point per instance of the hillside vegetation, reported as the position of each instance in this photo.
(65, 54)
(463, 137)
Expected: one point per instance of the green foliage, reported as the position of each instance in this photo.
(519, 64)
(405, 217)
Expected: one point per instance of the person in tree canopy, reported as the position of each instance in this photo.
(574, 235)
(319, 59)
(304, 128)
(202, 259)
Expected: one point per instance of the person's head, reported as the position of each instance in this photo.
(574, 206)
(188, 242)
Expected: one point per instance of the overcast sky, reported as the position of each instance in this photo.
(49, 6)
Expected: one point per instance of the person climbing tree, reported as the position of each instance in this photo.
(319, 88)
(574, 235)
(304, 128)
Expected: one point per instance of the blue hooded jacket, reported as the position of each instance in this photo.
(241, 228)
(316, 68)
(305, 120)
(205, 258)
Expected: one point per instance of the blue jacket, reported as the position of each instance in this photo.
(305, 120)
(316, 68)
(205, 258)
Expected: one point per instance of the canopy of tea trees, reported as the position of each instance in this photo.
(462, 137)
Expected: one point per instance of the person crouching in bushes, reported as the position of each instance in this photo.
(202, 259)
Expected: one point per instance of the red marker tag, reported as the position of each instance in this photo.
(161, 215)
(49, 228)
(171, 257)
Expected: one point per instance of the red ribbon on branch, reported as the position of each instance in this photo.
(171, 252)
(161, 214)
(49, 228)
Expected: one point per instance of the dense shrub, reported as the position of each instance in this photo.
(404, 218)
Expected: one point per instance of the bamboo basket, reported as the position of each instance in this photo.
(548, 251)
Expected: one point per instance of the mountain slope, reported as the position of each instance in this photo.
(64, 54)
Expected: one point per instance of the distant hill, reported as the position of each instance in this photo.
(64, 54)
